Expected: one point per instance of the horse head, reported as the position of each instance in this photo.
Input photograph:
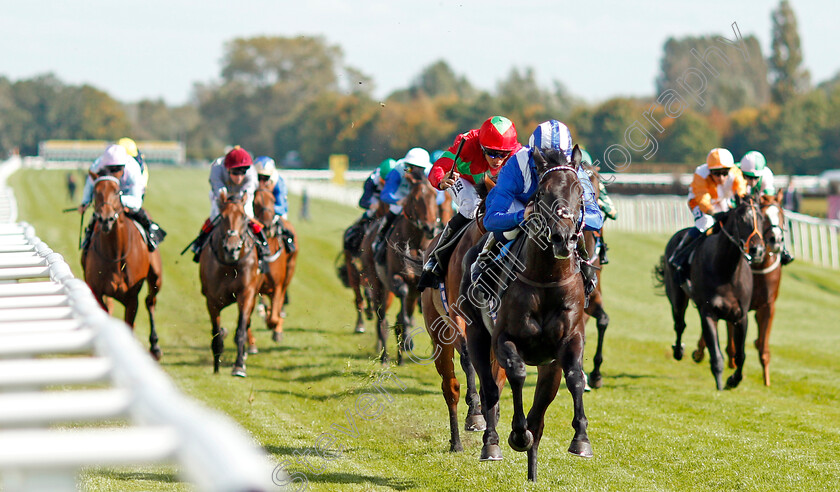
(774, 220)
(106, 193)
(742, 225)
(558, 203)
(264, 206)
(233, 225)
(421, 205)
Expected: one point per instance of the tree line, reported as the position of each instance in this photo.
(297, 100)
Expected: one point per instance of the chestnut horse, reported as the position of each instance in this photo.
(410, 235)
(595, 309)
(118, 260)
(275, 283)
(539, 319)
(721, 282)
(767, 277)
(228, 272)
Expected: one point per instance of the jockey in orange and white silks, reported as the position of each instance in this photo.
(714, 187)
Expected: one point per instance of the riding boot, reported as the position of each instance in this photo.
(198, 242)
(482, 261)
(379, 246)
(288, 239)
(261, 243)
(681, 253)
(153, 231)
(435, 268)
(88, 235)
(787, 258)
(587, 271)
(602, 252)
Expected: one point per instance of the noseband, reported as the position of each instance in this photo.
(580, 219)
(754, 232)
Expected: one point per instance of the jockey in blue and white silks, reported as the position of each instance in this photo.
(518, 182)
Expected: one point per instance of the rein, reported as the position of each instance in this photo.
(580, 219)
(754, 232)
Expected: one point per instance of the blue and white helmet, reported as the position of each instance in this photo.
(265, 166)
(550, 135)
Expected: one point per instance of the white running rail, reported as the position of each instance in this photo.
(55, 344)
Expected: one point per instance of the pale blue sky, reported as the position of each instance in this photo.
(154, 48)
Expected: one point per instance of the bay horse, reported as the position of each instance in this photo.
(118, 261)
(351, 272)
(411, 233)
(595, 309)
(275, 282)
(767, 277)
(721, 282)
(539, 318)
(229, 274)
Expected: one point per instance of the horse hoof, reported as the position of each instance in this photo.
(521, 441)
(697, 355)
(283, 313)
(475, 423)
(595, 381)
(252, 349)
(360, 329)
(678, 351)
(580, 447)
(491, 452)
(157, 353)
(222, 332)
(277, 336)
(238, 372)
(732, 382)
(455, 447)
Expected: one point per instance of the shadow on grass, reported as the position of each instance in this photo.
(127, 475)
(343, 477)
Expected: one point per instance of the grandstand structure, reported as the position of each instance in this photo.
(74, 153)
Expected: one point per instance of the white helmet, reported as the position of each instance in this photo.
(114, 155)
(418, 157)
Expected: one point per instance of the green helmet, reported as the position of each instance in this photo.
(585, 157)
(752, 164)
(386, 167)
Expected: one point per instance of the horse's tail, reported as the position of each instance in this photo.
(341, 268)
(659, 275)
(413, 265)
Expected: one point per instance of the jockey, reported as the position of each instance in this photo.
(130, 146)
(396, 189)
(370, 202)
(508, 204)
(760, 179)
(605, 203)
(714, 185)
(481, 150)
(116, 162)
(233, 174)
(270, 179)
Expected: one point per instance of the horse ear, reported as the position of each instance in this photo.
(576, 156)
(410, 178)
(780, 196)
(93, 175)
(223, 196)
(539, 160)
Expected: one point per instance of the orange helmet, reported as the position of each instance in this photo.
(720, 159)
(497, 133)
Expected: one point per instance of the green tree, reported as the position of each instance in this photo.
(786, 72)
(609, 122)
(687, 139)
(798, 133)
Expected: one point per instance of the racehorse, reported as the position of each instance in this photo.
(275, 282)
(595, 308)
(767, 278)
(410, 234)
(539, 316)
(721, 282)
(118, 260)
(352, 272)
(228, 272)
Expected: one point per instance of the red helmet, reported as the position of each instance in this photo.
(238, 157)
(498, 133)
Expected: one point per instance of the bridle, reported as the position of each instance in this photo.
(427, 230)
(97, 217)
(563, 212)
(754, 232)
(240, 246)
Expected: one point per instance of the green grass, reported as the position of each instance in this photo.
(657, 424)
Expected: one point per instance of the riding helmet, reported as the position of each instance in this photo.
(497, 133)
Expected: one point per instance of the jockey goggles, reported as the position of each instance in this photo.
(115, 168)
(719, 172)
(495, 153)
(239, 171)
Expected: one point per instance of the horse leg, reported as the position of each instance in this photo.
(698, 354)
(602, 321)
(679, 303)
(740, 339)
(354, 279)
(475, 420)
(575, 382)
(382, 298)
(709, 326)
(548, 381)
(154, 279)
(274, 320)
(217, 343)
(479, 347)
(132, 304)
(246, 305)
(520, 438)
(730, 345)
(764, 318)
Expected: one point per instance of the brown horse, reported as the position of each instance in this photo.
(352, 271)
(595, 309)
(118, 260)
(411, 233)
(721, 282)
(539, 316)
(767, 277)
(275, 283)
(228, 272)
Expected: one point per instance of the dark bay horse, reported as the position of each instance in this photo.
(118, 260)
(275, 283)
(767, 277)
(411, 234)
(721, 282)
(228, 273)
(539, 319)
(595, 309)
